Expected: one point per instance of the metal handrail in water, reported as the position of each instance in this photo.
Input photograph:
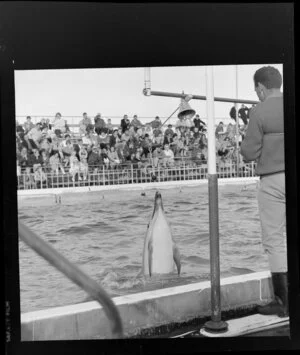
(76, 275)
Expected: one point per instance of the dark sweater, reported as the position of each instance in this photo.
(264, 140)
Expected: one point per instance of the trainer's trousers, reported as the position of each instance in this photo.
(272, 211)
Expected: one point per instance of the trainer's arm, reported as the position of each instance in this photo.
(252, 144)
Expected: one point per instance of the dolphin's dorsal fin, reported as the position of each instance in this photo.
(176, 257)
(150, 251)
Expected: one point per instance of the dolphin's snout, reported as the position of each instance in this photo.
(157, 195)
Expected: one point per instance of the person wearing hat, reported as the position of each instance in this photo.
(169, 130)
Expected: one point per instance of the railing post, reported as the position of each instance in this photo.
(103, 174)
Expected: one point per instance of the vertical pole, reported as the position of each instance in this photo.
(215, 324)
(237, 123)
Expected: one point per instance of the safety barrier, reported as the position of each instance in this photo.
(128, 174)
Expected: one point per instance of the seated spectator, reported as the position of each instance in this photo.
(89, 139)
(157, 155)
(105, 158)
(100, 124)
(156, 123)
(103, 139)
(180, 123)
(85, 124)
(168, 139)
(157, 131)
(20, 138)
(74, 166)
(126, 136)
(83, 165)
(39, 176)
(109, 126)
(169, 130)
(168, 156)
(34, 136)
(28, 125)
(94, 159)
(58, 125)
(174, 145)
(149, 131)
(23, 159)
(146, 146)
(45, 160)
(113, 157)
(55, 162)
(136, 123)
(34, 158)
(158, 140)
(45, 124)
(199, 123)
(125, 123)
(220, 130)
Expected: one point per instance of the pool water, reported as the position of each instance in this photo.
(103, 233)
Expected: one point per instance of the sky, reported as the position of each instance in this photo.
(118, 91)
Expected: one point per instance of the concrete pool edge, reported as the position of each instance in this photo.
(146, 310)
(139, 186)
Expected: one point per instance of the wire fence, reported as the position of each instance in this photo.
(129, 174)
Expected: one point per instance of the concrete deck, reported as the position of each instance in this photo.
(145, 310)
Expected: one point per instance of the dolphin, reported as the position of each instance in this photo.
(160, 251)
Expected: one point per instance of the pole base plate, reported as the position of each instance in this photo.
(215, 326)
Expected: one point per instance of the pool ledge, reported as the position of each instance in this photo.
(139, 186)
(145, 310)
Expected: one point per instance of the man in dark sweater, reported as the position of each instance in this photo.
(264, 142)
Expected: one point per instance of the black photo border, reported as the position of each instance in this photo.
(61, 35)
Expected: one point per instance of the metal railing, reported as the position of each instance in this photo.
(130, 174)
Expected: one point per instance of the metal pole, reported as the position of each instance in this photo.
(215, 324)
(75, 274)
(237, 124)
(197, 97)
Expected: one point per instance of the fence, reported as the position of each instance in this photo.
(129, 174)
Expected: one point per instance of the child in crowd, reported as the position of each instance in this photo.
(55, 163)
(39, 176)
(74, 166)
(113, 157)
(83, 155)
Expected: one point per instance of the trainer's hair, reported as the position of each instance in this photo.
(269, 76)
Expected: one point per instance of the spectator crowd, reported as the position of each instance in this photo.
(50, 147)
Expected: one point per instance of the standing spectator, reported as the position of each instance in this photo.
(28, 125)
(232, 113)
(109, 126)
(264, 142)
(243, 114)
(136, 123)
(125, 123)
(85, 124)
(149, 131)
(100, 124)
